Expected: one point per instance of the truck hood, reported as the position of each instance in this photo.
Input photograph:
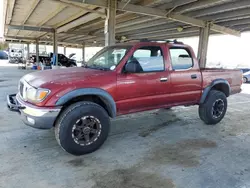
(62, 75)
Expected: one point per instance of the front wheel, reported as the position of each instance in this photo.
(82, 128)
(213, 110)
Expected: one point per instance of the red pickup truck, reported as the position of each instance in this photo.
(120, 79)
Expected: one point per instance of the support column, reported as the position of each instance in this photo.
(28, 51)
(64, 50)
(203, 45)
(37, 52)
(55, 49)
(83, 53)
(109, 29)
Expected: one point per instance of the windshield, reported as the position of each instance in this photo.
(246, 73)
(108, 58)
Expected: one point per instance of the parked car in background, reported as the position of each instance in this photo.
(244, 70)
(246, 77)
(62, 60)
(121, 79)
(65, 61)
(16, 56)
(3, 55)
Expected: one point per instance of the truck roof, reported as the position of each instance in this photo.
(148, 42)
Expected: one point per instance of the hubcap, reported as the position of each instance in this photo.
(218, 108)
(86, 130)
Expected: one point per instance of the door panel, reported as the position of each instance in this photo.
(186, 80)
(146, 89)
(140, 91)
(184, 88)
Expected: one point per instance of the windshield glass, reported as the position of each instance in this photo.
(246, 73)
(108, 58)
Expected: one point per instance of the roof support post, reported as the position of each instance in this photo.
(109, 28)
(55, 49)
(64, 50)
(28, 51)
(203, 45)
(37, 52)
(83, 53)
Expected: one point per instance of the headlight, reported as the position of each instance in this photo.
(36, 95)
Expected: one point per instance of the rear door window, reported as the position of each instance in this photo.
(181, 58)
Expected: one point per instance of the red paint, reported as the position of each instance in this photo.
(138, 91)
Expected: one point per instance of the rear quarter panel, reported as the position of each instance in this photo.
(234, 78)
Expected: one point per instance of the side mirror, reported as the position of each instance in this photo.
(132, 67)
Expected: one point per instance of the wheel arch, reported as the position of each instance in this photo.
(96, 95)
(218, 84)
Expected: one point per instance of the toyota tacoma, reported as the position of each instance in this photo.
(120, 79)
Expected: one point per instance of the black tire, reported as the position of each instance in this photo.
(206, 110)
(245, 80)
(68, 119)
(73, 65)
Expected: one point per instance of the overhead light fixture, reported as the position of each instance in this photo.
(180, 29)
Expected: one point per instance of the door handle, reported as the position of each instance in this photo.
(164, 79)
(193, 76)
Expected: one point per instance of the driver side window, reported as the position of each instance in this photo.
(148, 59)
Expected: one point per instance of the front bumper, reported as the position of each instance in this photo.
(37, 117)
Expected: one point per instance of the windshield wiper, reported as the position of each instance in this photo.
(94, 66)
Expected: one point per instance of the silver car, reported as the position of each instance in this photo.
(246, 77)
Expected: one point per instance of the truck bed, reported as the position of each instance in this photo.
(234, 77)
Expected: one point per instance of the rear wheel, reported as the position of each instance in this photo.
(213, 110)
(245, 80)
(82, 128)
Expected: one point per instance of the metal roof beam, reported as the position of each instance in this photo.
(79, 21)
(227, 15)
(221, 8)
(11, 4)
(135, 21)
(243, 27)
(197, 5)
(73, 37)
(180, 35)
(143, 25)
(162, 28)
(80, 5)
(120, 17)
(160, 34)
(176, 3)
(19, 38)
(161, 14)
(236, 22)
(59, 9)
(30, 39)
(30, 28)
(33, 7)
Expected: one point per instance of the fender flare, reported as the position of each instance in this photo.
(214, 83)
(102, 94)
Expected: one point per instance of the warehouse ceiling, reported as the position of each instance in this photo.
(77, 23)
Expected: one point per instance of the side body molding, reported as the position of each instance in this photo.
(102, 94)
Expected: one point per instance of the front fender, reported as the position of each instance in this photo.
(102, 94)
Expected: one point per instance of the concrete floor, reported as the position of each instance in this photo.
(157, 149)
